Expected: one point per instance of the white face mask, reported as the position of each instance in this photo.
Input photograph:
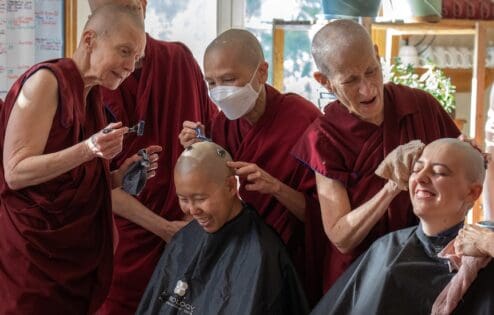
(235, 101)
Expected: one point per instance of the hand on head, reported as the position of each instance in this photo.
(258, 179)
(397, 165)
(188, 135)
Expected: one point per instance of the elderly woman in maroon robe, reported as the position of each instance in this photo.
(344, 147)
(55, 211)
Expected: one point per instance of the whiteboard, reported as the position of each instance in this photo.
(30, 31)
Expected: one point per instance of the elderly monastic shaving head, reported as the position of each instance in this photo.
(340, 40)
(445, 182)
(112, 41)
(349, 67)
(241, 44)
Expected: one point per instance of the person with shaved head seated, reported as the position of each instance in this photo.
(407, 271)
(56, 239)
(166, 88)
(259, 126)
(227, 260)
(344, 147)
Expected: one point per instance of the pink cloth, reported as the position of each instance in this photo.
(468, 268)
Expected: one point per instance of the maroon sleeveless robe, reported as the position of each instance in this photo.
(56, 244)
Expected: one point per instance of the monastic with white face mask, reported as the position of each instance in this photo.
(235, 101)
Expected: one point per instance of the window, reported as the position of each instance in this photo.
(298, 65)
(192, 22)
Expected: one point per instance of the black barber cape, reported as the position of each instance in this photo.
(241, 269)
(400, 274)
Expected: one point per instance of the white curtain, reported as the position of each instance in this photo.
(30, 31)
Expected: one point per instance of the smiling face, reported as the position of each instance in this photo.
(211, 204)
(442, 187)
(113, 56)
(205, 185)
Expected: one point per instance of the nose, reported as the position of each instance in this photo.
(194, 209)
(422, 176)
(130, 64)
(365, 87)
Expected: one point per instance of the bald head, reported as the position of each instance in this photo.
(471, 160)
(110, 17)
(95, 4)
(242, 44)
(206, 157)
(338, 40)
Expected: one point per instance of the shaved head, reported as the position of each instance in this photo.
(94, 4)
(338, 40)
(110, 17)
(472, 161)
(242, 44)
(206, 157)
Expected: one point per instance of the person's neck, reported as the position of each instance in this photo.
(82, 63)
(256, 113)
(435, 228)
(236, 209)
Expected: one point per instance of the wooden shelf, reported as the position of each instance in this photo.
(462, 78)
(443, 27)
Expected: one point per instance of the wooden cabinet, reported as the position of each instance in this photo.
(475, 80)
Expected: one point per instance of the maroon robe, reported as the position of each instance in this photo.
(268, 144)
(343, 147)
(56, 237)
(168, 89)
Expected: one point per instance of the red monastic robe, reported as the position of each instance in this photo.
(268, 144)
(56, 237)
(168, 89)
(343, 147)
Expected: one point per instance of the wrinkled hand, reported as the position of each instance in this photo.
(259, 180)
(397, 165)
(107, 145)
(188, 134)
(152, 151)
(471, 239)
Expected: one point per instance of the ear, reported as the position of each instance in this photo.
(473, 194)
(263, 72)
(231, 184)
(323, 80)
(87, 39)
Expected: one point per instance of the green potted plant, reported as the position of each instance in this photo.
(433, 81)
